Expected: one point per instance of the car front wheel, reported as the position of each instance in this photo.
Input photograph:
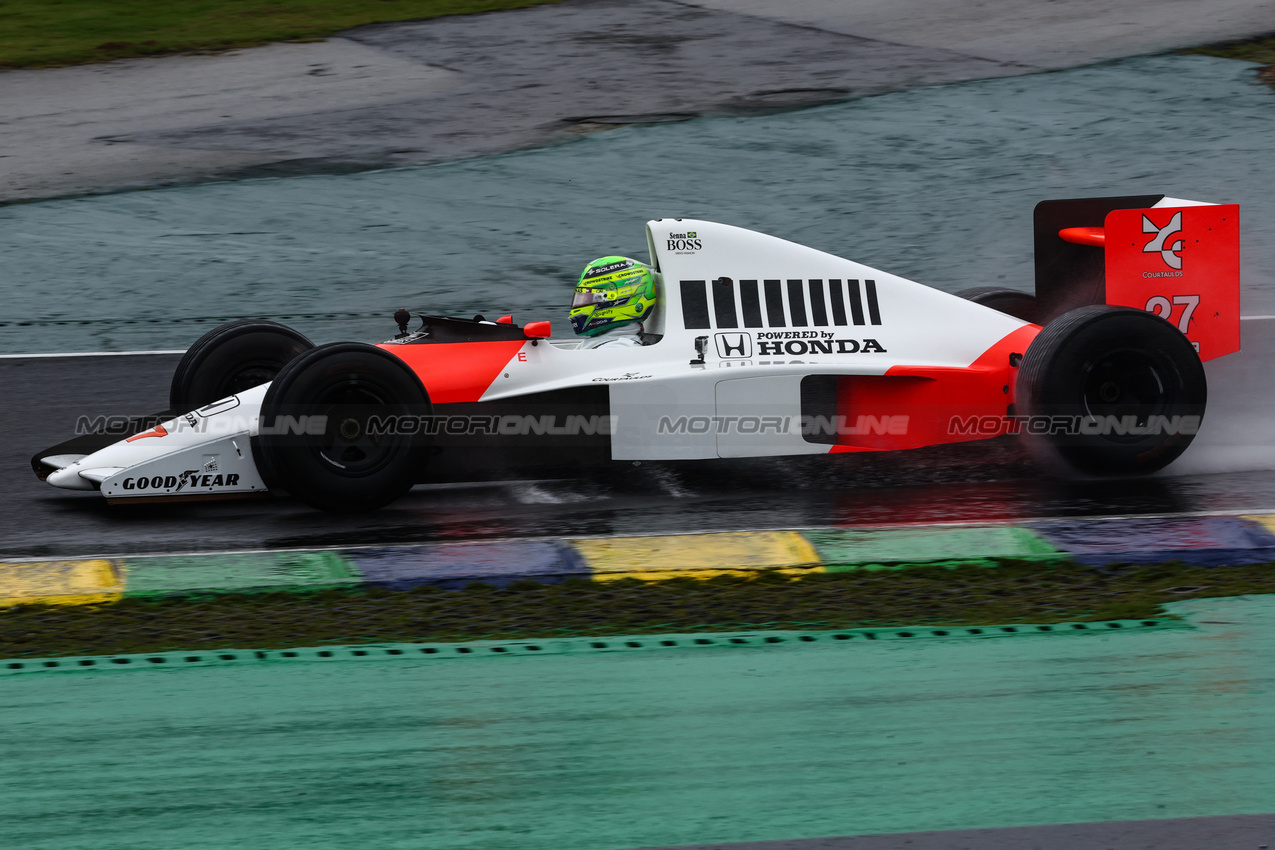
(229, 359)
(342, 428)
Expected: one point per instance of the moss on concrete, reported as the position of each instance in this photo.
(1260, 50)
(44, 33)
(971, 595)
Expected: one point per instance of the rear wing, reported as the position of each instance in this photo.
(1175, 258)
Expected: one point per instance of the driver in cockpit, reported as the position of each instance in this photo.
(613, 297)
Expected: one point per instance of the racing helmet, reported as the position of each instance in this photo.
(612, 292)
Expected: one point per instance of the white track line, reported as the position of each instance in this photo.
(88, 354)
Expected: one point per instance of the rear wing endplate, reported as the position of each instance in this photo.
(1178, 259)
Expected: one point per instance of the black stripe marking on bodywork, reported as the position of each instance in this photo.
(818, 310)
(751, 302)
(874, 312)
(774, 304)
(797, 302)
(724, 303)
(838, 302)
(695, 305)
(856, 303)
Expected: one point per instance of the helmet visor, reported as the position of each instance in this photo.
(585, 297)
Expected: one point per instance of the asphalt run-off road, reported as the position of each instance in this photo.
(463, 86)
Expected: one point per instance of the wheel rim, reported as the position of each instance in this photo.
(251, 375)
(346, 446)
(1123, 383)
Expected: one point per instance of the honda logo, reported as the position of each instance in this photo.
(734, 345)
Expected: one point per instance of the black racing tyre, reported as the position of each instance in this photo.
(340, 428)
(229, 359)
(1020, 305)
(1112, 390)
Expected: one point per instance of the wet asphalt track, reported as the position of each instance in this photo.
(1236, 832)
(1227, 469)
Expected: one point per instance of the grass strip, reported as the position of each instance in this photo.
(1013, 592)
(44, 33)
(1259, 50)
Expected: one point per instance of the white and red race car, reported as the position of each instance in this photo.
(760, 347)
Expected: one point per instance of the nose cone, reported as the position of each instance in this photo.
(68, 478)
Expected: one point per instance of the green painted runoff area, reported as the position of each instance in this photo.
(592, 751)
(843, 549)
(150, 576)
(936, 184)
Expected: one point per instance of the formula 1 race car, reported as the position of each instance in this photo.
(759, 347)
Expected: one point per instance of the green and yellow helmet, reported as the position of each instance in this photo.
(612, 292)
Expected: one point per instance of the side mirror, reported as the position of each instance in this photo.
(536, 330)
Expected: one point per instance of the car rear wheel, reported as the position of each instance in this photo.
(1112, 390)
(1020, 305)
(229, 359)
(342, 428)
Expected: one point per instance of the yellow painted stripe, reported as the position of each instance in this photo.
(665, 575)
(1267, 521)
(749, 550)
(59, 583)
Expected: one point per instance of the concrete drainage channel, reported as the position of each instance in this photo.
(555, 646)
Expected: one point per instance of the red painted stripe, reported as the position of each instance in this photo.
(930, 397)
(157, 431)
(457, 371)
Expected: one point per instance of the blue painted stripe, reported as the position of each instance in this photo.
(457, 564)
(1202, 541)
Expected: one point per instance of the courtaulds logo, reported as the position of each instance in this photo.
(1164, 242)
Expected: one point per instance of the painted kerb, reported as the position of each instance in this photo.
(1203, 541)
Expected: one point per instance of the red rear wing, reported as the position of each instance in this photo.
(1183, 264)
(1179, 262)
